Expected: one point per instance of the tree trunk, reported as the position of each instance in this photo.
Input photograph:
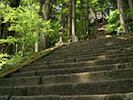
(36, 43)
(41, 6)
(86, 18)
(69, 18)
(81, 15)
(4, 33)
(46, 16)
(37, 34)
(74, 37)
(16, 52)
(23, 48)
(131, 7)
(121, 11)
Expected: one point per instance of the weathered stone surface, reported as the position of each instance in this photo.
(86, 70)
(20, 81)
(18, 91)
(4, 97)
(99, 97)
(27, 74)
(105, 87)
(128, 96)
(49, 90)
(88, 76)
(5, 91)
(35, 98)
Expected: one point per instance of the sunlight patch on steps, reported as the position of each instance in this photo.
(102, 57)
(109, 44)
(84, 77)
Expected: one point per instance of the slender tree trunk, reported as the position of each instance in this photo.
(131, 7)
(81, 15)
(23, 47)
(16, 49)
(86, 17)
(74, 21)
(36, 43)
(121, 11)
(69, 18)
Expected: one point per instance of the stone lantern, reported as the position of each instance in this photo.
(61, 31)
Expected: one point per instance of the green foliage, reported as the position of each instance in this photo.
(25, 21)
(13, 62)
(10, 40)
(114, 22)
(2, 9)
(4, 58)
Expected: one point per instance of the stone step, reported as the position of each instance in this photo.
(103, 87)
(69, 70)
(88, 77)
(68, 78)
(89, 57)
(127, 96)
(89, 53)
(94, 44)
(4, 97)
(107, 55)
(87, 61)
(24, 74)
(71, 65)
(86, 48)
(20, 81)
(103, 60)
(41, 97)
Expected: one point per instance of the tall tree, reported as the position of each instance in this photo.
(74, 37)
(69, 18)
(46, 16)
(120, 5)
(86, 18)
(81, 15)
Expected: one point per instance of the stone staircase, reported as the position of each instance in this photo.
(100, 69)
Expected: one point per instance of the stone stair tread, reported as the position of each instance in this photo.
(98, 50)
(88, 76)
(90, 57)
(4, 97)
(68, 78)
(108, 55)
(47, 72)
(89, 54)
(126, 96)
(117, 48)
(20, 81)
(103, 87)
(99, 60)
(70, 65)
